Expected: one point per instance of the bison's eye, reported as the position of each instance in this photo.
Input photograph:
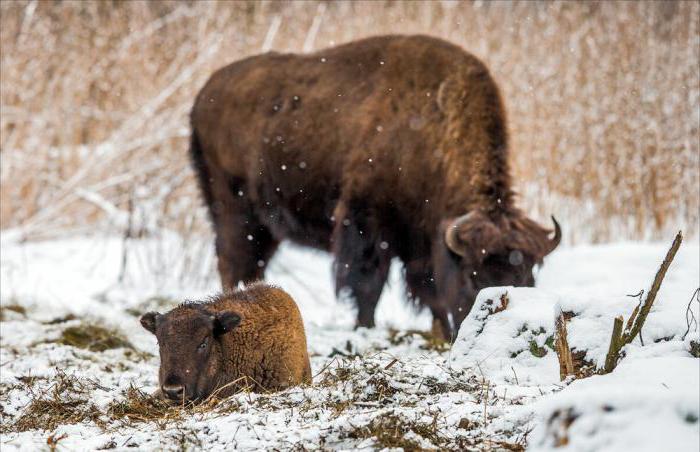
(203, 345)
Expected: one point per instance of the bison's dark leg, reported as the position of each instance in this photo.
(362, 261)
(243, 245)
(421, 287)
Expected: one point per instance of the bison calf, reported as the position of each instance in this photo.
(252, 337)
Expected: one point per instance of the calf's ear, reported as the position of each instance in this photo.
(224, 322)
(150, 320)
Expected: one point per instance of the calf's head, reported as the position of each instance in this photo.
(478, 251)
(189, 341)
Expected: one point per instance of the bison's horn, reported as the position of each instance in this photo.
(554, 241)
(454, 243)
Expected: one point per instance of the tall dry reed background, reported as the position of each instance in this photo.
(603, 102)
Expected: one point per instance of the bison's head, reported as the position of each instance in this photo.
(479, 251)
(189, 341)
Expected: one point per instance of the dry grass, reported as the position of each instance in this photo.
(602, 97)
(430, 340)
(384, 396)
(93, 337)
(388, 431)
(67, 401)
(17, 310)
(391, 430)
(137, 406)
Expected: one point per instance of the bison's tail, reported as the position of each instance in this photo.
(201, 169)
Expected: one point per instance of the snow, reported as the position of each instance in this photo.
(649, 404)
(653, 391)
(489, 339)
(489, 380)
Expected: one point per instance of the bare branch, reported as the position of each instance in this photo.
(655, 286)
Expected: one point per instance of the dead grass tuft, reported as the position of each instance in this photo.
(94, 338)
(13, 307)
(391, 430)
(379, 389)
(342, 372)
(138, 406)
(388, 431)
(67, 401)
(430, 340)
(64, 319)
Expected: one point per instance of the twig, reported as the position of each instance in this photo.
(394, 361)
(630, 321)
(689, 316)
(651, 296)
(486, 402)
(621, 338)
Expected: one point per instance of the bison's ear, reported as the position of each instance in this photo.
(224, 322)
(150, 320)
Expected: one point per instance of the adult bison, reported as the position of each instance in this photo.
(391, 146)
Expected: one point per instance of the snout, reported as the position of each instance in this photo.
(173, 391)
(174, 388)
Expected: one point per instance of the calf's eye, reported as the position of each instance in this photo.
(203, 345)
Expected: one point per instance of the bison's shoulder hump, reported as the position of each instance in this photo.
(260, 292)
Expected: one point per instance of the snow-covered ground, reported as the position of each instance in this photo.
(497, 388)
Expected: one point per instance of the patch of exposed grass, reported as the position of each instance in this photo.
(93, 337)
(379, 389)
(338, 405)
(535, 349)
(12, 307)
(457, 383)
(342, 373)
(30, 380)
(25, 383)
(430, 341)
(388, 431)
(67, 401)
(137, 406)
(391, 430)
(538, 351)
(64, 319)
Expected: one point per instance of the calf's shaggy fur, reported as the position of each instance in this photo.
(247, 338)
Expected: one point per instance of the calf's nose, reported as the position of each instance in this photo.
(174, 392)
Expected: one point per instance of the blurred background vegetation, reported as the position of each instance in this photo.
(603, 102)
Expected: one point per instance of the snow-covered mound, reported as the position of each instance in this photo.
(509, 338)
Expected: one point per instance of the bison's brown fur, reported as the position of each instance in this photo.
(248, 338)
(370, 150)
